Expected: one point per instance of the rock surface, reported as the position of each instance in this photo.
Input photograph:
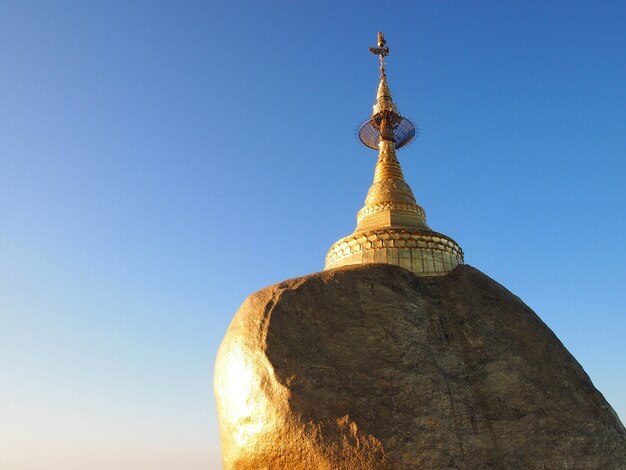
(372, 367)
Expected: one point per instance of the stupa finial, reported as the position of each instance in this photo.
(385, 123)
(382, 51)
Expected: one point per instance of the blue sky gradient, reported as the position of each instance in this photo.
(160, 161)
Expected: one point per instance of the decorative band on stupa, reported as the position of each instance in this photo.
(391, 227)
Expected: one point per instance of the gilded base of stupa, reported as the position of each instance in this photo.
(424, 252)
(392, 229)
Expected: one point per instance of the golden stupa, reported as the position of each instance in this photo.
(391, 227)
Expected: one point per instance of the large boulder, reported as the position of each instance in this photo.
(372, 367)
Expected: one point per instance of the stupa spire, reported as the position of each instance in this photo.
(384, 101)
(391, 227)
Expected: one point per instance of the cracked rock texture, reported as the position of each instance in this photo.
(372, 367)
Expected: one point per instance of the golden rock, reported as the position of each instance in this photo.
(373, 368)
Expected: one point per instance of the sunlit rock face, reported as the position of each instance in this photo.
(372, 367)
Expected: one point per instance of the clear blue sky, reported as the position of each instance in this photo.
(160, 161)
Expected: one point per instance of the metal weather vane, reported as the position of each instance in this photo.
(382, 51)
